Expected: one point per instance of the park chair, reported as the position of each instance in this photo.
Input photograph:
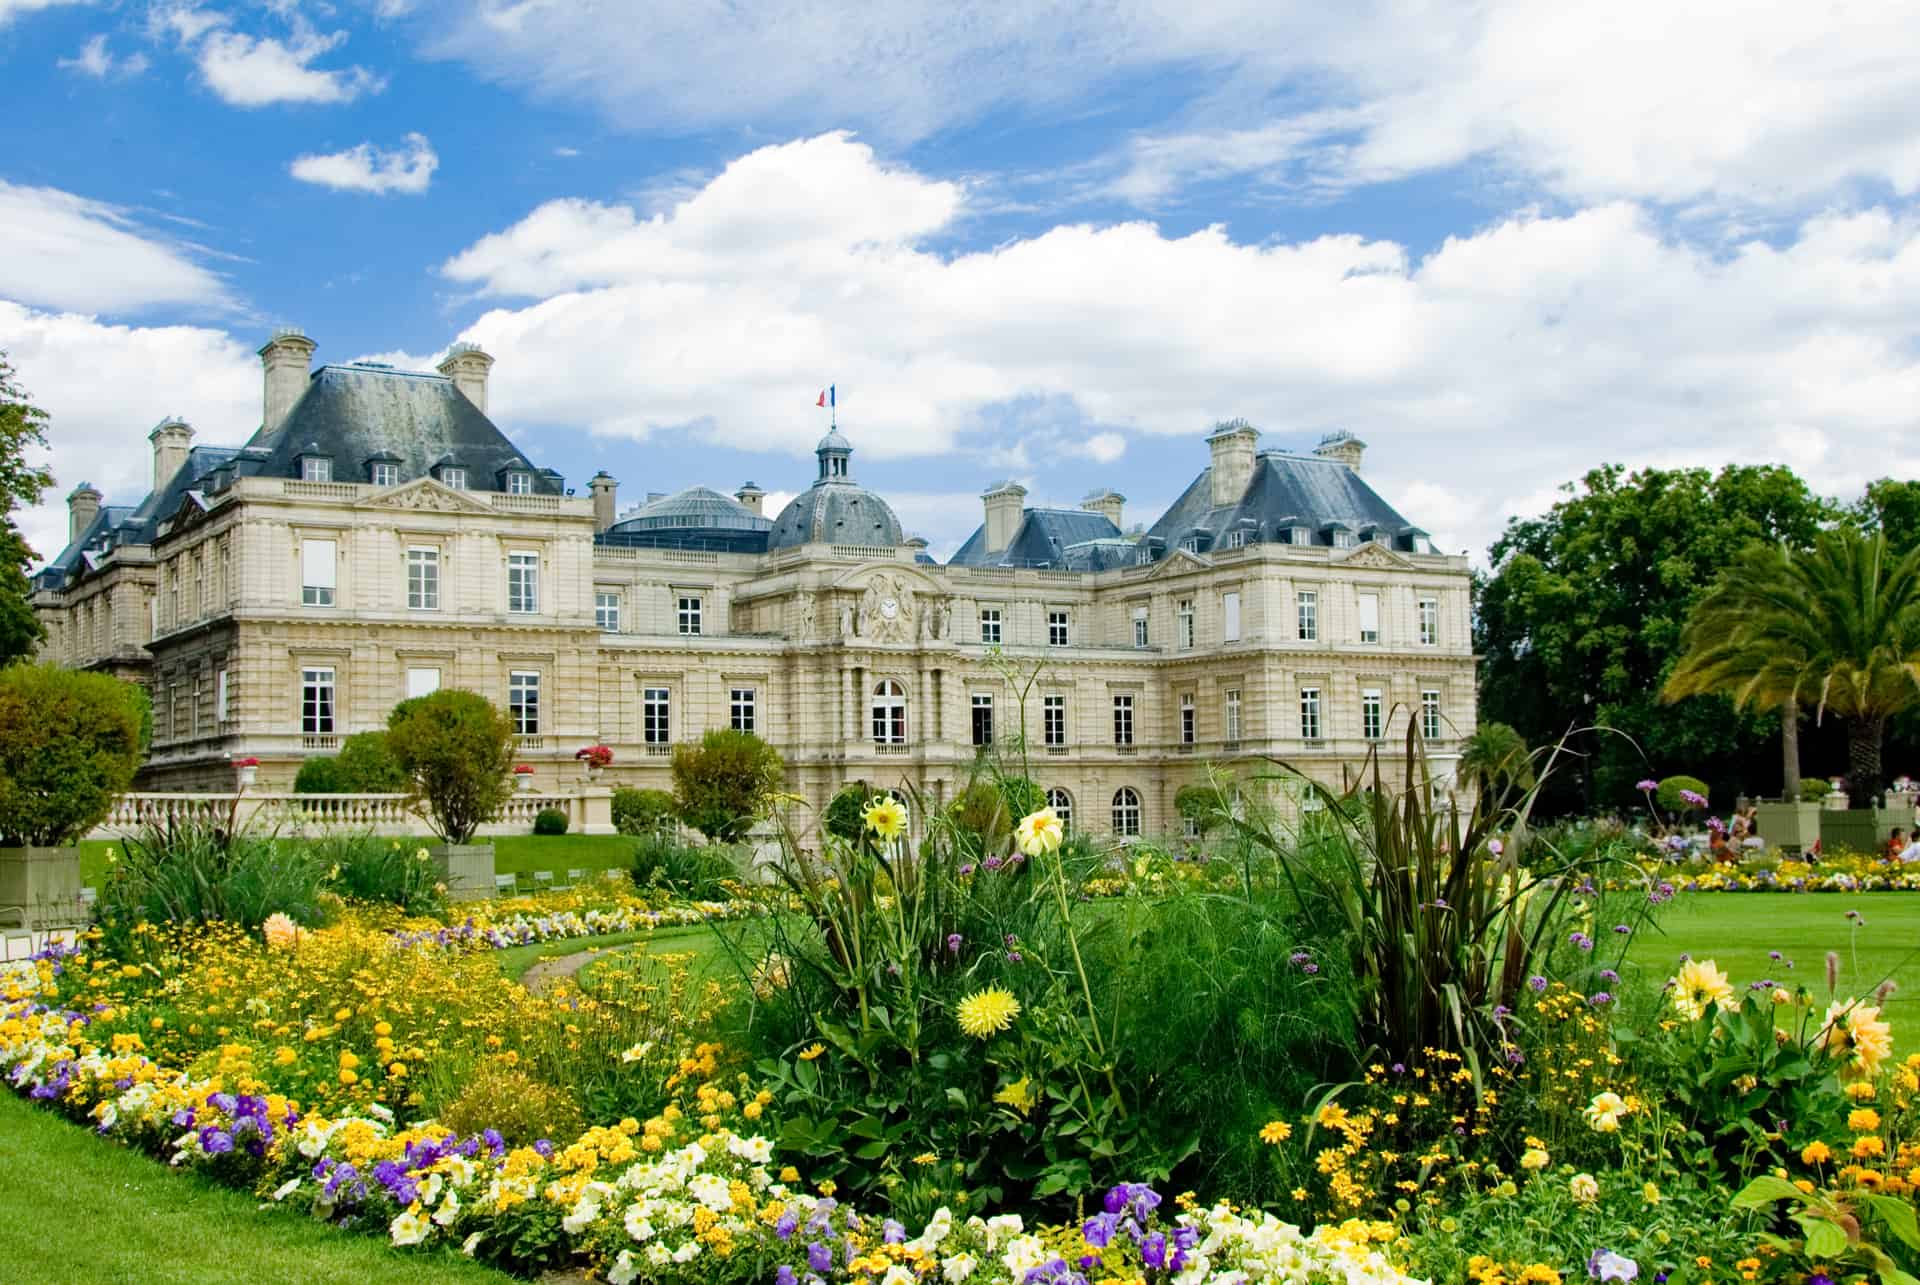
(89, 897)
(575, 878)
(505, 885)
(543, 881)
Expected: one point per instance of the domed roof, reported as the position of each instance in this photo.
(833, 441)
(695, 507)
(835, 509)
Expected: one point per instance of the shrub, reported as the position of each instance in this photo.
(457, 751)
(642, 811)
(367, 765)
(550, 821)
(661, 862)
(383, 871)
(522, 1108)
(1669, 792)
(204, 869)
(1023, 795)
(69, 743)
(981, 817)
(319, 776)
(720, 784)
(1204, 804)
(843, 815)
(1814, 789)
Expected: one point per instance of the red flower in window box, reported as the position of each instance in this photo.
(523, 769)
(594, 756)
(247, 762)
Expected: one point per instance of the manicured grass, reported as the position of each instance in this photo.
(1737, 930)
(512, 854)
(76, 1207)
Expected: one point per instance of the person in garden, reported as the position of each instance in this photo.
(1896, 843)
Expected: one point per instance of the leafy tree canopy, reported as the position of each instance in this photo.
(22, 427)
(720, 784)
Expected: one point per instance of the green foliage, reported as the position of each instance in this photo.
(1668, 794)
(842, 818)
(1815, 789)
(457, 750)
(1890, 508)
(365, 868)
(367, 765)
(1206, 805)
(69, 744)
(981, 818)
(1581, 620)
(720, 785)
(22, 428)
(200, 870)
(1023, 795)
(1496, 759)
(1858, 1232)
(550, 821)
(642, 811)
(319, 775)
(662, 863)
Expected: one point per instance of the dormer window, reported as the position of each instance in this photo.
(1299, 535)
(1343, 539)
(454, 478)
(1237, 539)
(316, 468)
(519, 483)
(1191, 544)
(384, 473)
(1144, 558)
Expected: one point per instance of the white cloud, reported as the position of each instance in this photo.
(249, 71)
(1105, 448)
(184, 22)
(1503, 362)
(94, 59)
(65, 251)
(11, 9)
(106, 386)
(367, 168)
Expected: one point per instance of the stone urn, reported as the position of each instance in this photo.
(247, 775)
(466, 869)
(523, 782)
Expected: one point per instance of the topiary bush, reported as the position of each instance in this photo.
(457, 751)
(367, 765)
(1815, 789)
(69, 745)
(1669, 792)
(719, 784)
(319, 776)
(550, 821)
(642, 811)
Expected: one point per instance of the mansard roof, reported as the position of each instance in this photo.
(1064, 539)
(1286, 491)
(116, 525)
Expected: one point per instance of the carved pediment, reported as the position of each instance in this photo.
(1375, 555)
(1177, 561)
(424, 495)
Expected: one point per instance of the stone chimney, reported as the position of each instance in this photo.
(1107, 504)
(467, 367)
(603, 489)
(753, 497)
(287, 359)
(1005, 503)
(1232, 444)
(83, 505)
(171, 441)
(1342, 447)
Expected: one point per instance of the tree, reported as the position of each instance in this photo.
(367, 765)
(457, 751)
(1890, 508)
(69, 745)
(22, 426)
(1835, 628)
(1495, 761)
(1580, 622)
(720, 783)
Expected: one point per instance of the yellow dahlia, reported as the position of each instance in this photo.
(984, 1014)
(281, 932)
(1855, 1034)
(1039, 833)
(1276, 1132)
(886, 817)
(1698, 984)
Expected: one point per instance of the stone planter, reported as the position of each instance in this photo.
(1788, 827)
(247, 775)
(40, 888)
(523, 782)
(1861, 829)
(466, 869)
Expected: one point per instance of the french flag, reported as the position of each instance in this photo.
(827, 398)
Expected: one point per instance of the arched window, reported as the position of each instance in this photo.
(889, 714)
(1062, 804)
(1126, 812)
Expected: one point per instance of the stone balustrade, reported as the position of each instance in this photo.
(588, 811)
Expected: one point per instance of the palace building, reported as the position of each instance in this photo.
(379, 537)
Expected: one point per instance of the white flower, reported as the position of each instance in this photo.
(897, 1275)
(1024, 1253)
(755, 1150)
(448, 1211)
(639, 1225)
(581, 1216)
(687, 1252)
(472, 1243)
(637, 1052)
(286, 1189)
(659, 1255)
(938, 1228)
(409, 1228)
(712, 1191)
(1002, 1225)
(1584, 1188)
(958, 1268)
(624, 1269)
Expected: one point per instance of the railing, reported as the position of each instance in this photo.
(864, 552)
(316, 742)
(889, 749)
(532, 742)
(694, 556)
(658, 751)
(588, 812)
(319, 490)
(510, 503)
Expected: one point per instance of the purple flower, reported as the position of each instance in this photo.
(1099, 1229)
(1310, 968)
(784, 1229)
(1496, 847)
(1647, 787)
(953, 943)
(784, 1275)
(1605, 1265)
(1538, 983)
(215, 1141)
(1774, 955)
(1599, 999)
(1581, 940)
(1153, 1250)
(993, 863)
(1013, 957)
(1011, 941)
(966, 870)
(1693, 799)
(892, 1232)
(819, 1257)
(1608, 975)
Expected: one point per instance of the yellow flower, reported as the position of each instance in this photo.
(1019, 1095)
(986, 1013)
(813, 1052)
(1855, 1033)
(1815, 1153)
(886, 817)
(281, 932)
(1698, 984)
(1864, 1120)
(1584, 1188)
(1650, 1194)
(1534, 1159)
(1039, 833)
(1276, 1132)
(1604, 1112)
(284, 1056)
(347, 1076)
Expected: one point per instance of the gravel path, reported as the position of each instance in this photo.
(547, 973)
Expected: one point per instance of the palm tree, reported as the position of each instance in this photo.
(1495, 759)
(1835, 627)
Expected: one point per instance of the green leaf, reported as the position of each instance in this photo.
(872, 1151)
(807, 1075)
(1898, 1216)
(1824, 1239)
(1764, 1190)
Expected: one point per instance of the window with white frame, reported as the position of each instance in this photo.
(316, 468)
(1183, 622)
(1231, 714)
(316, 701)
(1306, 605)
(1237, 539)
(1430, 713)
(990, 624)
(889, 713)
(519, 483)
(1058, 626)
(741, 710)
(1429, 622)
(1053, 720)
(523, 701)
(656, 716)
(193, 707)
(455, 478)
(1123, 720)
(222, 695)
(1309, 713)
(689, 614)
(523, 583)
(1143, 558)
(1343, 539)
(1369, 617)
(1140, 626)
(386, 474)
(1189, 723)
(1230, 616)
(423, 579)
(1126, 812)
(606, 611)
(982, 718)
(1372, 723)
(1190, 544)
(317, 582)
(200, 583)
(1062, 804)
(422, 680)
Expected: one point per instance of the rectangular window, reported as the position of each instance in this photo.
(221, 710)
(1309, 713)
(1236, 539)
(1053, 720)
(386, 475)
(316, 701)
(1370, 717)
(523, 583)
(1430, 713)
(193, 707)
(1230, 617)
(1233, 715)
(1183, 621)
(523, 701)
(1307, 607)
(656, 716)
(200, 583)
(316, 468)
(1187, 720)
(741, 709)
(1369, 617)
(317, 583)
(1139, 626)
(1429, 622)
(1123, 720)
(990, 624)
(1057, 625)
(455, 478)
(1343, 540)
(423, 579)
(606, 612)
(982, 719)
(422, 682)
(689, 615)
(519, 484)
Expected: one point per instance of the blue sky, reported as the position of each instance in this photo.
(1502, 243)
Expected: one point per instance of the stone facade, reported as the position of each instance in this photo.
(273, 613)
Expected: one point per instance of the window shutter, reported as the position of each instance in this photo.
(1231, 629)
(1370, 613)
(316, 564)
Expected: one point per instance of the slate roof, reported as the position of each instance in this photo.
(1286, 491)
(696, 518)
(116, 525)
(1064, 539)
(835, 509)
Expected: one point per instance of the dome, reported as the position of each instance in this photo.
(835, 510)
(696, 518)
(833, 441)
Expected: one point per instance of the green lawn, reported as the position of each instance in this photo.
(512, 854)
(697, 940)
(1737, 930)
(76, 1207)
